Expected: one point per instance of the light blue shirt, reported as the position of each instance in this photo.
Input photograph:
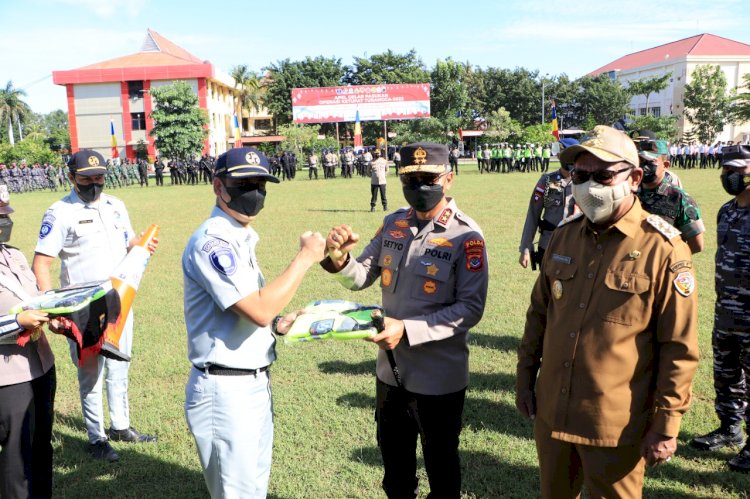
(220, 268)
(90, 239)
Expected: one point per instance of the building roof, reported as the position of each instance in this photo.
(700, 45)
(158, 59)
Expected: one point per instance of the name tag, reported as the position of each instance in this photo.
(85, 221)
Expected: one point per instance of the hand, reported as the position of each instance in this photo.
(391, 336)
(152, 244)
(525, 259)
(312, 246)
(285, 323)
(657, 449)
(526, 403)
(31, 319)
(340, 241)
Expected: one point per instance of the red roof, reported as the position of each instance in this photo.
(699, 45)
(158, 59)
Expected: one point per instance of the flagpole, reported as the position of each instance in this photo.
(338, 142)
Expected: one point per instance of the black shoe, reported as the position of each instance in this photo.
(102, 450)
(130, 435)
(741, 462)
(724, 436)
(372, 208)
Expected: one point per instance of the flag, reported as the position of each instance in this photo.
(237, 133)
(555, 132)
(357, 132)
(115, 152)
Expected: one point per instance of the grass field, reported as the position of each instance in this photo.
(324, 392)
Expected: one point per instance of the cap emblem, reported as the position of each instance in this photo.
(420, 156)
(252, 158)
(93, 161)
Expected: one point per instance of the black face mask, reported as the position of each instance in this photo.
(89, 193)
(6, 227)
(734, 182)
(423, 197)
(649, 173)
(247, 202)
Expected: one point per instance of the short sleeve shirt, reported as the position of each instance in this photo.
(219, 269)
(91, 239)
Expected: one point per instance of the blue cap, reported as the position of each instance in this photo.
(244, 162)
(568, 142)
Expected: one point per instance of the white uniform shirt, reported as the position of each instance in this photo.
(90, 239)
(219, 269)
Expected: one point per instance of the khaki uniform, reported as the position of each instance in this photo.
(614, 317)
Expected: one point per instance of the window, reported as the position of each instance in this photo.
(138, 121)
(263, 124)
(642, 111)
(656, 111)
(135, 89)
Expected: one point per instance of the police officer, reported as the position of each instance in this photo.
(27, 377)
(159, 171)
(230, 342)
(660, 197)
(614, 316)
(312, 161)
(91, 233)
(378, 181)
(551, 201)
(432, 265)
(731, 334)
(454, 154)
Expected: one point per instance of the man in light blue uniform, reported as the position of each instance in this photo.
(91, 233)
(230, 312)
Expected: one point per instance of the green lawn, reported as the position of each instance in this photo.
(325, 436)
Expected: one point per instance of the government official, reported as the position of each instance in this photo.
(229, 311)
(610, 347)
(432, 264)
(731, 334)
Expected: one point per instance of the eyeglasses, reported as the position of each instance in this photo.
(418, 179)
(599, 176)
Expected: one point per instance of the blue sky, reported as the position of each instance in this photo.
(554, 36)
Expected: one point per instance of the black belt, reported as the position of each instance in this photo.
(230, 371)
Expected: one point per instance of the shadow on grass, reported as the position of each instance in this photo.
(482, 474)
(341, 367)
(483, 382)
(503, 343)
(340, 211)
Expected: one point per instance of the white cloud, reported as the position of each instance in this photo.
(106, 8)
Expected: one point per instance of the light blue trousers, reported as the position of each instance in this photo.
(231, 418)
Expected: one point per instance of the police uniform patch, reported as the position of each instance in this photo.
(433, 270)
(387, 260)
(386, 276)
(445, 216)
(47, 224)
(441, 241)
(403, 223)
(684, 283)
(474, 250)
(429, 287)
(682, 264)
(396, 234)
(557, 289)
(222, 259)
(209, 245)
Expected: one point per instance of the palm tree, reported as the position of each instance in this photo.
(13, 107)
(250, 90)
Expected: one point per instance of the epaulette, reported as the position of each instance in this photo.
(571, 218)
(665, 228)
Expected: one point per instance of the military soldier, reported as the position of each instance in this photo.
(432, 265)
(614, 316)
(731, 334)
(551, 201)
(660, 197)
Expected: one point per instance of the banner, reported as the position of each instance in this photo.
(372, 102)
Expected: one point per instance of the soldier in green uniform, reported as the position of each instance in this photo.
(660, 197)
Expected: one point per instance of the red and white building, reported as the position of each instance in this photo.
(679, 59)
(118, 90)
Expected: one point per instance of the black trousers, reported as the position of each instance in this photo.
(374, 195)
(26, 414)
(440, 423)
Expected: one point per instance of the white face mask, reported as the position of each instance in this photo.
(598, 202)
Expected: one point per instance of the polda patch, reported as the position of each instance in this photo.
(474, 250)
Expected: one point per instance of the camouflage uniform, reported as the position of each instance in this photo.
(731, 335)
(675, 206)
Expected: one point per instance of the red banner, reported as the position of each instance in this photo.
(372, 102)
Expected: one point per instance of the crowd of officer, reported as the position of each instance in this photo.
(506, 158)
(20, 177)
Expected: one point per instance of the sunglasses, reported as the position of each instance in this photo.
(417, 179)
(599, 176)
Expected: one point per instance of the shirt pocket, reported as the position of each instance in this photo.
(433, 280)
(624, 299)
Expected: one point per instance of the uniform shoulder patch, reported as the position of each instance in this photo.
(665, 228)
(223, 260)
(47, 223)
(571, 218)
(684, 283)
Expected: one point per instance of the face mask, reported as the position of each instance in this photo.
(734, 182)
(249, 203)
(6, 227)
(423, 197)
(598, 202)
(89, 193)
(649, 172)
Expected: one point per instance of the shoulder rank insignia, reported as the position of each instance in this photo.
(571, 218)
(665, 228)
